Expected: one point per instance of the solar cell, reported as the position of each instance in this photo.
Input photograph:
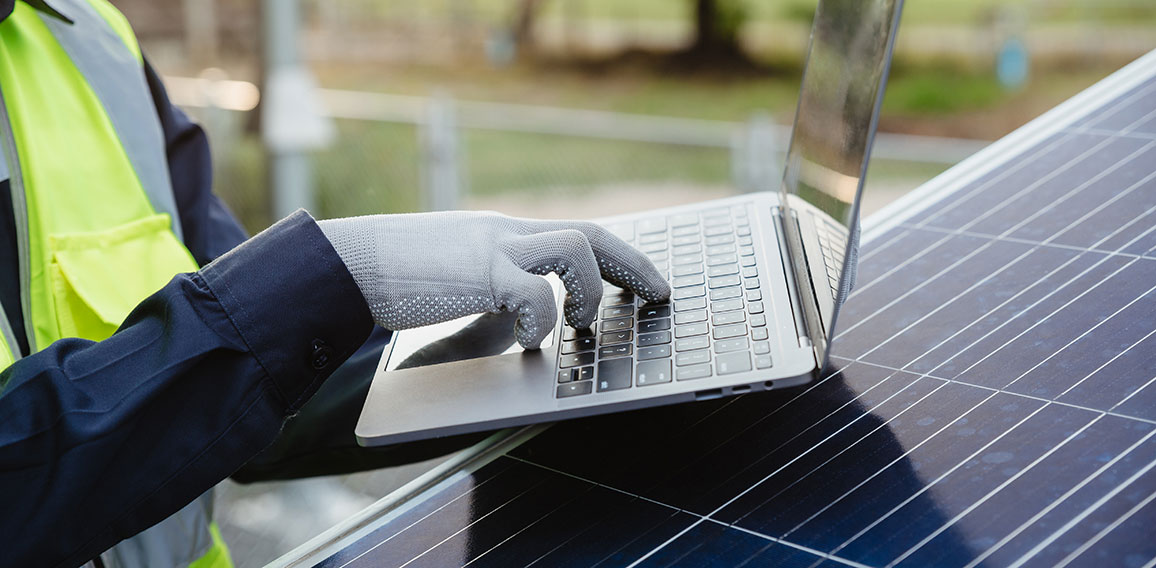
(995, 401)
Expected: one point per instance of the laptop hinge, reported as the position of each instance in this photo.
(790, 270)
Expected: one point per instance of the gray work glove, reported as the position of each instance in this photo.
(425, 268)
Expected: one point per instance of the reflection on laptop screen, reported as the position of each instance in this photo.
(842, 87)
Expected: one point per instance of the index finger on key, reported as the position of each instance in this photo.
(622, 264)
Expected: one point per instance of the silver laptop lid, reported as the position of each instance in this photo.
(842, 88)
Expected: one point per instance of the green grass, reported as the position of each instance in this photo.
(938, 91)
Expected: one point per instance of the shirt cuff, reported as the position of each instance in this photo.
(293, 302)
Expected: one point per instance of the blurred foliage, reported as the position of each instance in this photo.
(941, 91)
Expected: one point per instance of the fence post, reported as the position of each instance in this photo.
(755, 161)
(440, 159)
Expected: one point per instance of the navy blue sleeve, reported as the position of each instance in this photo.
(100, 440)
(209, 228)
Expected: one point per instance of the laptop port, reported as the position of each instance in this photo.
(708, 394)
(741, 389)
(769, 385)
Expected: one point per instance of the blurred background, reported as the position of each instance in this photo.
(570, 108)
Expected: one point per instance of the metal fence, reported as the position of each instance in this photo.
(395, 153)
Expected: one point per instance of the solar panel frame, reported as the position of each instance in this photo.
(1001, 441)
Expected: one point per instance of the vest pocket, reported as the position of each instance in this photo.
(99, 277)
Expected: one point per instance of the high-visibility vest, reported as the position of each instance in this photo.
(96, 219)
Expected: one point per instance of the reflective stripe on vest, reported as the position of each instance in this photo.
(96, 218)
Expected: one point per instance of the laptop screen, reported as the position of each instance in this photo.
(843, 82)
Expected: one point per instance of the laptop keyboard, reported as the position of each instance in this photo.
(714, 323)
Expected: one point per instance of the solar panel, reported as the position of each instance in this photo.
(995, 401)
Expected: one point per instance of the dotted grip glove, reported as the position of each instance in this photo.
(425, 268)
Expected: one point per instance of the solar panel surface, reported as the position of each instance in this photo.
(995, 404)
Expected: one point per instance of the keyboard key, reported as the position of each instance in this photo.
(651, 312)
(726, 293)
(684, 240)
(722, 270)
(686, 281)
(754, 295)
(684, 220)
(755, 308)
(571, 333)
(759, 333)
(618, 299)
(692, 358)
(653, 325)
(746, 251)
(686, 249)
(585, 374)
(723, 281)
(686, 259)
(656, 256)
(727, 318)
(616, 337)
(614, 374)
(751, 283)
(689, 317)
(652, 238)
(693, 372)
(728, 345)
(744, 230)
(656, 338)
(575, 389)
(732, 363)
(651, 226)
(719, 249)
(727, 331)
(720, 229)
(762, 347)
(721, 259)
(745, 240)
(747, 261)
(689, 292)
(648, 248)
(684, 231)
(689, 304)
(617, 324)
(686, 270)
(656, 352)
(618, 312)
(758, 320)
(621, 350)
(576, 360)
(721, 239)
(580, 344)
(566, 375)
(726, 305)
(763, 361)
(653, 372)
(750, 272)
(690, 330)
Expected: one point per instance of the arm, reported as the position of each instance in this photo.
(104, 439)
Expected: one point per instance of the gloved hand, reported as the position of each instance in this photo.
(425, 268)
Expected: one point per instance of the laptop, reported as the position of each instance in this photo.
(757, 282)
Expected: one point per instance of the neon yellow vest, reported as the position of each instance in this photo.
(96, 219)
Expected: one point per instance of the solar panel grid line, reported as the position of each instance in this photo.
(1076, 553)
(1039, 244)
(1102, 132)
(1058, 501)
(798, 457)
(983, 248)
(411, 525)
(1040, 321)
(1148, 383)
(848, 447)
(1018, 394)
(1085, 334)
(1083, 105)
(975, 505)
(1080, 517)
(901, 457)
(516, 533)
(1021, 312)
(795, 545)
(1121, 104)
(1025, 310)
(1108, 362)
(869, 252)
(474, 522)
(927, 487)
